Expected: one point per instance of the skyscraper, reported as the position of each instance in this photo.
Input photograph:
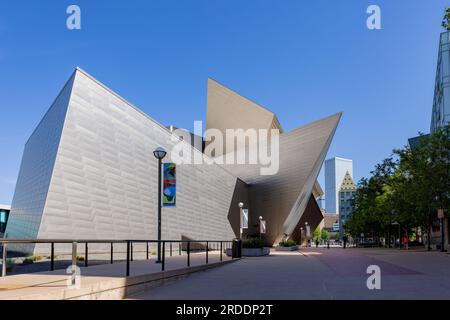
(441, 103)
(335, 170)
(346, 193)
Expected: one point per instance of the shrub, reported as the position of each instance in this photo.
(80, 258)
(10, 264)
(27, 261)
(287, 243)
(253, 243)
(36, 258)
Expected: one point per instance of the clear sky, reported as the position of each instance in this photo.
(302, 59)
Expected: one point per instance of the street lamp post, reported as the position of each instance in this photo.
(306, 229)
(241, 205)
(159, 154)
(301, 231)
(440, 213)
(260, 227)
(395, 223)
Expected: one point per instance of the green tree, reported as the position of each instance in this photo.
(407, 190)
(316, 235)
(324, 235)
(446, 20)
(372, 205)
(425, 182)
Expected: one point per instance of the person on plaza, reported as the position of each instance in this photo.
(344, 238)
(317, 243)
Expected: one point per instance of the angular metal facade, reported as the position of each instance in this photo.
(36, 169)
(88, 172)
(281, 199)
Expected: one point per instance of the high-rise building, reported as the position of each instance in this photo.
(441, 102)
(335, 170)
(346, 193)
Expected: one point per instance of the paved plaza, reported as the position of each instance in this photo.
(321, 273)
(103, 281)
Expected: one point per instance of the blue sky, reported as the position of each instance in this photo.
(304, 60)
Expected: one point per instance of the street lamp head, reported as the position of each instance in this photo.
(241, 204)
(159, 153)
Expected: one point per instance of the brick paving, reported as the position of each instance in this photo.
(322, 273)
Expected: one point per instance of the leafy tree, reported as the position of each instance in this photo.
(446, 20)
(407, 190)
(372, 205)
(425, 178)
(325, 235)
(316, 235)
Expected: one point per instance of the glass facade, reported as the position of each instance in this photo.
(4, 214)
(441, 103)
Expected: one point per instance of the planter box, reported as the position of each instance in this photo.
(291, 248)
(252, 252)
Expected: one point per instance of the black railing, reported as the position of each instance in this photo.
(129, 249)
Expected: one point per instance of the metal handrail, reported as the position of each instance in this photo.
(8, 240)
(128, 242)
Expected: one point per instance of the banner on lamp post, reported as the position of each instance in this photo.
(169, 185)
(308, 231)
(244, 219)
(262, 227)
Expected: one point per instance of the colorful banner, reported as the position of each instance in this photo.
(169, 184)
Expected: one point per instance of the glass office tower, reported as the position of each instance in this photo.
(441, 103)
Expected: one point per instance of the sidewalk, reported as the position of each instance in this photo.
(105, 281)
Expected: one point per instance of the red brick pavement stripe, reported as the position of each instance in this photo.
(348, 262)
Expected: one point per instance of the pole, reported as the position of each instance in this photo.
(4, 261)
(163, 264)
(300, 243)
(74, 262)
(74, 255)
(188, 254)
(240, 223)
(52, 256)
(429, 229)
(442, 235)
(128, 258)
(159, 212)
(86, 253)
